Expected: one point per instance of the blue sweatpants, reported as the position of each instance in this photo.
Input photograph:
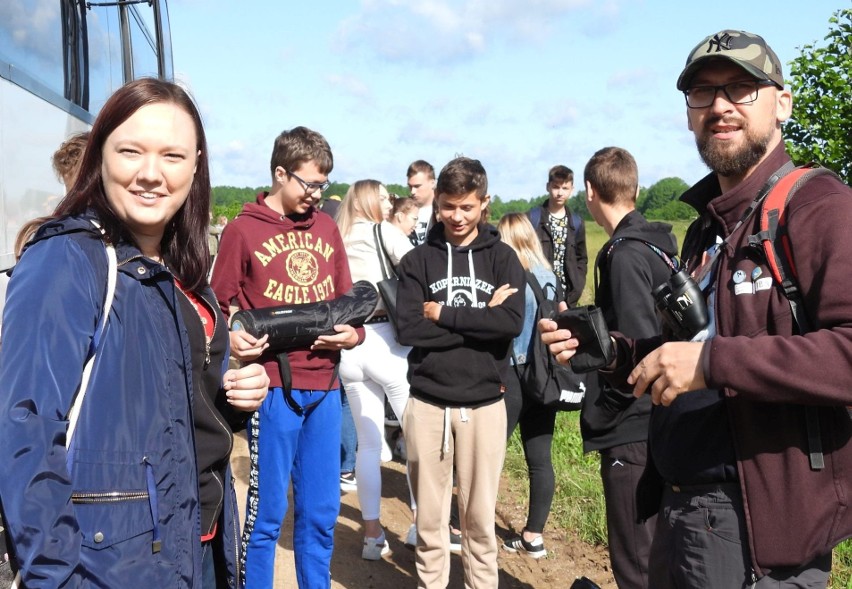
(306, 448)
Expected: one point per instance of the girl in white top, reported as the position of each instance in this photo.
(378, 367)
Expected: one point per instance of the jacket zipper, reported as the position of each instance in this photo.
(108, 497)
(207, 340)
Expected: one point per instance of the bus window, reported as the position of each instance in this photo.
(105, 67)
(143, 42)
(31, 40)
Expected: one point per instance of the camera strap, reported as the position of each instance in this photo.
(287, 384)
(747, 214)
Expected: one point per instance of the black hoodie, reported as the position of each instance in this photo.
(461, 360)
(628, 270)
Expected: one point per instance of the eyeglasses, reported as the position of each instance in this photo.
(310, 187)
(744, 92)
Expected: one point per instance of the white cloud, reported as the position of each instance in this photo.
(438, 31)
(349, 84)
(564, 113)
(32, 27)
(641, 77)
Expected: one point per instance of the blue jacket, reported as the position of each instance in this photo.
(128, 514)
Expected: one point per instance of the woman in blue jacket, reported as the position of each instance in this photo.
(125, 508)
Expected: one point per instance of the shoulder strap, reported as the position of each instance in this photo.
(77, 403)
(535, 216)
(673, 262)
(775, 241)
(776, 246)
(384, 260)
(575, 221)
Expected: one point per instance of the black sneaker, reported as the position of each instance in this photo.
(534, 549)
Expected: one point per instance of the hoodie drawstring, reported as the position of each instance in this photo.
(449, 273)
(472, 280)
(473, 296)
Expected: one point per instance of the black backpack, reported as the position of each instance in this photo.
(542, 378)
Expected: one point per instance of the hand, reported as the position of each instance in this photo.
(670, 370)
(246, 387)
(432, 311)
(346, 338)
(501, 294)
(245, 347)
(558, 341)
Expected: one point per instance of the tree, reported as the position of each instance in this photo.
(822, 100)
(660, 201)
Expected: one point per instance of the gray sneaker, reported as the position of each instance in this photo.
(375, 548)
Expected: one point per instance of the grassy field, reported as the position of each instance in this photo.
(578, 504)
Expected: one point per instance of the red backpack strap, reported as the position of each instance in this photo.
(779, 257)
(775, 240)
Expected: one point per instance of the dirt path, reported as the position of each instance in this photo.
(568, 558)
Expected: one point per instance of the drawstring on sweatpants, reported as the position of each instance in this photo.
(445, 447)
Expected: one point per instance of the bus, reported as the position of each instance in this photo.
(59, 62)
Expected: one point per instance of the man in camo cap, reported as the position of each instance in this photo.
(746, 50)
(750, 443)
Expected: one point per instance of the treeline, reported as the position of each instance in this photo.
(659, 201)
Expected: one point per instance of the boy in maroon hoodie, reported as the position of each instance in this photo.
(281, 251)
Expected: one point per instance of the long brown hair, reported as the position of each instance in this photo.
(184, 240)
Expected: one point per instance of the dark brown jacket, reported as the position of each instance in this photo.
(768, 373)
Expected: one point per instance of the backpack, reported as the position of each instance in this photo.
(574, 220)
(542, 378)
(773, 239)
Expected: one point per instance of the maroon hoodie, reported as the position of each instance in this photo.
(267, 259)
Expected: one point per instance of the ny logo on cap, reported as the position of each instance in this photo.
(721, 43)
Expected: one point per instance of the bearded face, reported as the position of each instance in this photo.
(732, 158)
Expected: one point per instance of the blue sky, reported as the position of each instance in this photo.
(519, 84)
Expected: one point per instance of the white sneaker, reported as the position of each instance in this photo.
(348, 481)
(455, 543)
(411, 536)
(375, 548)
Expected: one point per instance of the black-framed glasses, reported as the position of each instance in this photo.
(310, 187)
(743, 92)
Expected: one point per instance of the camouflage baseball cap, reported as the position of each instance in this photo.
(747, 50)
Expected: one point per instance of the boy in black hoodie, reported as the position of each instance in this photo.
(460, 304)
(629, 270)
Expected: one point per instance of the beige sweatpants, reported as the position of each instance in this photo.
(474, 441)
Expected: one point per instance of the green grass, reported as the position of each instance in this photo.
(578, 505)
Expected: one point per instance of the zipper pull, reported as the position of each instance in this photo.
(206, 354)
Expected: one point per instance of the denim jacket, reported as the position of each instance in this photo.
(521, 344)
